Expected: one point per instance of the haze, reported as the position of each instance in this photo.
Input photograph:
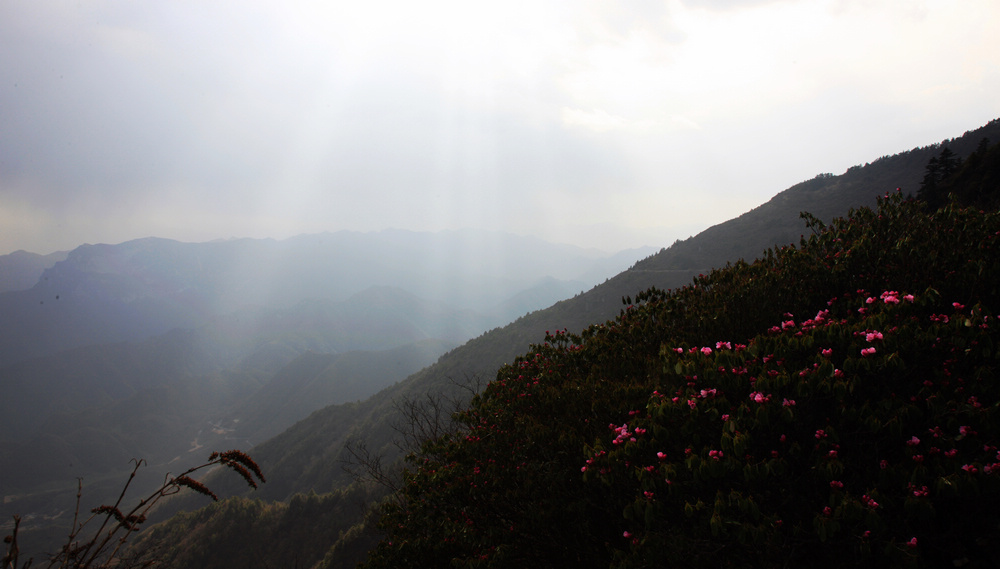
(603, 124)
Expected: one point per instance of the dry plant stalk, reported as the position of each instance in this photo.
(102, 549)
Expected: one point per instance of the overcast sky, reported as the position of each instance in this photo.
(608, 124)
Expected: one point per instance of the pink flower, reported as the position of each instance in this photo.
(716, 454)
(788, 402)
(706, 350)
(958, 305)
(832, 454)
(908, 298)
(836, 484)
(869, 502)
(820, 434)
(867, 351)
(626, 534)
(661, 456)
(873, 335)
(914, 441)
(725, 417)
(827, 352)
(720, 345)
(912, 544)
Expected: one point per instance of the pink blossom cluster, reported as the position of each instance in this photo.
(890, 297)
(623, 434)
(590, 461)
(868, 501)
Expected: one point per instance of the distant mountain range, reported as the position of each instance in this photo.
(155, 348)
(101, 294)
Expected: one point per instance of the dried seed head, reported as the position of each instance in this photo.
(233, 458)
(196, 486)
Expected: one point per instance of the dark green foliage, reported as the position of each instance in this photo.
(243, 532)
(765, 416)
(99, 540)
(972, 182)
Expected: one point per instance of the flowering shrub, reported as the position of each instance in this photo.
(882, 455)
(719, 424)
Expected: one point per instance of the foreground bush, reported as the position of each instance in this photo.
(828, 404)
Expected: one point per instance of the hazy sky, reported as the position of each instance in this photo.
(606, 123)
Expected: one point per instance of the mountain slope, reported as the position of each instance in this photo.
(20, 270)
(775, 223)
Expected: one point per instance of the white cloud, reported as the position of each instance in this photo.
(362, 115)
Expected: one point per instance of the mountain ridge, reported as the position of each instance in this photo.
(482, 356)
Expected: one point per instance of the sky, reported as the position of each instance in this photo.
(606, 124)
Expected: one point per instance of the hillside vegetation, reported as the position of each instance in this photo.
(830, 404)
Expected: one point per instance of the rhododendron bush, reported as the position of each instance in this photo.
(833, 403)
